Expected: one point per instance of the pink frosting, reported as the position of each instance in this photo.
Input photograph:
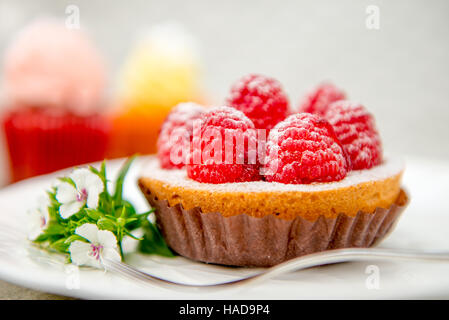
(49, 65)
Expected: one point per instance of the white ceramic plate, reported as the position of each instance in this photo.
(424, 225)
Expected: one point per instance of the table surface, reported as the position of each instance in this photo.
(10, 291)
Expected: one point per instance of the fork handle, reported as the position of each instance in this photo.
(299, 263)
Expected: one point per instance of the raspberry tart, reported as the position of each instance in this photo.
(316, 182)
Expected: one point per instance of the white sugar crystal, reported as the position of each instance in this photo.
(390, 167)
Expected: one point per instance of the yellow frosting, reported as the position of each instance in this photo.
(161, 71)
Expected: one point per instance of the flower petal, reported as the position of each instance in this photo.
(34, 224)
(94, 181)
(38, 218)
(89, 231)
(79, 176)
(112, 254)
(95, 187)
(86, 179)
(93, 194)
(46, 216)
(69, 209)
(81, 254)
(107, 239)
(43, 210)
(65, 193)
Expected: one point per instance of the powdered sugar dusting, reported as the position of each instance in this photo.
(355, 128)
(183, 112)
(390, 167)
(318, 100)
(176, 134)
(261, 98)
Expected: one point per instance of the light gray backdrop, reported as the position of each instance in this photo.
(400, 71)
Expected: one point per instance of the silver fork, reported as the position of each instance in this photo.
(9, 234)
(300, 263)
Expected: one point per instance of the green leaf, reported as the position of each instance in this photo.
(103, 169)
(41, 238)
(121, 222)
(68, 180)
(129, 234)
(52, 197)
(55, 229)
(93, 214)
(129, 220)
(60, 245)
(80, 214)
(118, 193)
(129, 207)
(95, 170)
(101, 174)
(113, 218)
(106, 224)
(153, 242)
(74, 237)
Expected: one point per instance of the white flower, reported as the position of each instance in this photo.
(38, 219)
(88, 187)
(102, 244)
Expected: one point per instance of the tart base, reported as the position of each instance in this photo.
(244, 240)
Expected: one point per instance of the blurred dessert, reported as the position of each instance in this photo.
(53, 90)
(161, 71)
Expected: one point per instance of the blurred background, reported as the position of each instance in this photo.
(392, 56)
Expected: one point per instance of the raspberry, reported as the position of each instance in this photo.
(355, 128)
(318, 101)
(224, 141)
(303, 149)
(261, 99)
(176, 134)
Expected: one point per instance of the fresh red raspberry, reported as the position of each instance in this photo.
(355, 128)
(224, 148)
(176, 134)
(303, 149)
(261, 99)
(318, 101)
